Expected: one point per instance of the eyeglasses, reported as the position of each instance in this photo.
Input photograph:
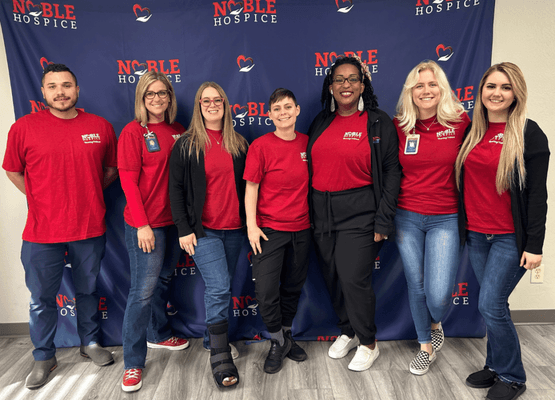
(352, 79)
(162, 94)
(218, 101)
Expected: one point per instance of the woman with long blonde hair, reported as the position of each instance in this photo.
(430, 123)
(207, 193)
(502, 172)
(144, 147)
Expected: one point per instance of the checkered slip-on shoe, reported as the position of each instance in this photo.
(421, 363)
(438, 338)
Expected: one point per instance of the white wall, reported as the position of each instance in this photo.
(523, 33)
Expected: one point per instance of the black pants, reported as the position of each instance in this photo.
(284, 258)
(344, 237)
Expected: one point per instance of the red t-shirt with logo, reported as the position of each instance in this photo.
(341, 155)
(428, 183)
(144, 175)
(63, 161)
(221, 206)
(486, 210)
(281, 168)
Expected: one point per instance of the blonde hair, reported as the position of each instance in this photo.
(197, 138)
(449, 108)
(512, 152)
(141, 113)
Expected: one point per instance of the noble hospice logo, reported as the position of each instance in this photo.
(44, 14)
(460, 295)
(443, 52)
(245, 64)
(325, 60)
(342, 7)
(246, 11)
(130, 71)
(141, 14)
(427, 7)
(66, 306)
(250, 114)
(91, 138)
(465, 96)
(244, 306)
(185, 266)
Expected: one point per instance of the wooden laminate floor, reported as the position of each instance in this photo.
(186, 374)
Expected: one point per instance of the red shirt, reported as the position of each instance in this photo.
(281, 168)
(145, 176)
(221, 206)
(63, 161)
(486, 210)
(341, 155)
(428, 183)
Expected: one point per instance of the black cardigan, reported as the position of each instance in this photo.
(386, 170)
(529, 205)
(188, 188)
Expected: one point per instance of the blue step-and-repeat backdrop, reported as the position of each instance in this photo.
(249, 47)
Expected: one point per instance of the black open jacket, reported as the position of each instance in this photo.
(386, 170)
(529, 205)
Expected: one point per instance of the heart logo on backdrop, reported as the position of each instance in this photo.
(238, 7)
(342, 8)
(34, 9)
(44, 62)
(444, 53)
(138, 68)
(243, 111)
(248, 63)
(141, 14)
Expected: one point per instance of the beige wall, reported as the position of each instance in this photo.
(523, 33)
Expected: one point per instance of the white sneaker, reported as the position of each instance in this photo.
(342, 345)
(364, 358)
(234, 351)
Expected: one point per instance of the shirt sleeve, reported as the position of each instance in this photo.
(130, 149)
(254, 166)
(14, 158)
(130, 185)
(110, 159)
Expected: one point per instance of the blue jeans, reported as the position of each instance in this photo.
(145, 314)
(216, 257)
(44, 269)
(496, 263)
(430, 249)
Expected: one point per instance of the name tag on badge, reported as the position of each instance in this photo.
(151, 142)
(411, 146)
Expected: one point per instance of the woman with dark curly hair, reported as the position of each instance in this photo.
(354, 182)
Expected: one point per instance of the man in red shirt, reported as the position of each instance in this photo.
(62, 159)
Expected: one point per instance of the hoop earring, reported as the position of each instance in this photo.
(360, 104)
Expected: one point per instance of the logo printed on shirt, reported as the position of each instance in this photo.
(498, 139)
(352, 136)
(176, 136)
(303, 156)
(447, 134)
(91, 138)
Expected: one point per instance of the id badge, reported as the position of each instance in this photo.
(151, 142)
(411, 146)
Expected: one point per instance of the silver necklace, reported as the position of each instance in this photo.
(427, 127)
(213, 137)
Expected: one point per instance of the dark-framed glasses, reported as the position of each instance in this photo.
(162, 94)
(352, 79)
(218, 101)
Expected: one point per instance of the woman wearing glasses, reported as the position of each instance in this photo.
(355, 174)
(144, 148)
(207, 194)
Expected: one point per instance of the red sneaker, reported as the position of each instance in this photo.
(173, 343)
(132, 380)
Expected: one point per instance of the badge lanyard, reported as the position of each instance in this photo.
(411, 145)
(151, 140)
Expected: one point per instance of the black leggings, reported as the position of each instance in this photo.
(344, 238)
